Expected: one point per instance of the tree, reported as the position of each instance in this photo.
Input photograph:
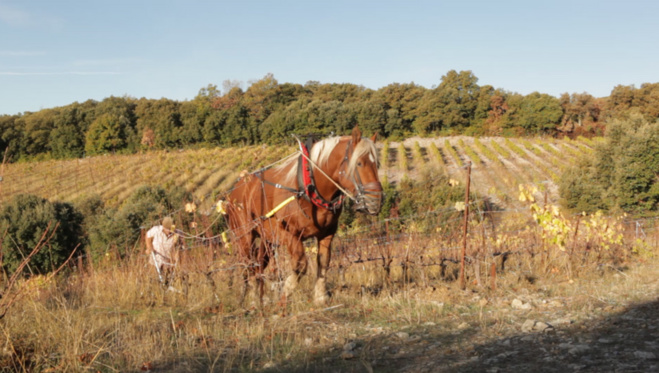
(10, 136)
(25, 219)
(579, 110)
(449, 107)
(259, 97)
(538, 113)
(162, 119)
(401, 103)
(114, 127)
(37, 127)
(106, 134)
(497, 114)
(67, 139)
(623, 173)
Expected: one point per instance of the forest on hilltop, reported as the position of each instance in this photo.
(268, 112)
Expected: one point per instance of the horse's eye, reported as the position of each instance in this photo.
(359, 164)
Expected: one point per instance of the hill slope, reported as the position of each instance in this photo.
(498, 166)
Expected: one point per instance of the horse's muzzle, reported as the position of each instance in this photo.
(369, 198)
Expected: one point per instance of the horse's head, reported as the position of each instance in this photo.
(361, 173)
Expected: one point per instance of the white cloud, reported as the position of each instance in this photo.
(106, 61)
(14, 17)
(20, 18)
(17, 53)
(43, 73)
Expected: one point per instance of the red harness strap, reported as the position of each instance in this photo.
(309, 186)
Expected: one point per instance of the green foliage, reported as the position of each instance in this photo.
(451, 106)
(621, 173)
(489, 154)
(470, 152)
(500, 149)
(453, 152)
(578, 192)
(437, 155)
(269, 111)
(538, 113)
(119, 229)
(428, 201)
(163, 118)
(624, 100)
(404, 164)
(516, 149)
(113, 128)
(25, 219)
(384, 155)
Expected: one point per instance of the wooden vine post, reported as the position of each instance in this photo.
(463, 284)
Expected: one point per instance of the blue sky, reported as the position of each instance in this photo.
(53, 53)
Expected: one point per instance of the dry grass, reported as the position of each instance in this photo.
(117, 317)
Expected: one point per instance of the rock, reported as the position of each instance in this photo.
(519, 305)
(402, 335)
(269, 365)
(555, 303)
(350, 346)
(578, 349)
(542, 327)
(347, 355)
(561, 321)
(645, 355)
(528, 326)
(536, 326)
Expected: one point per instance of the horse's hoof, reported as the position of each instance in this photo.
(290, 285)
(321, 300)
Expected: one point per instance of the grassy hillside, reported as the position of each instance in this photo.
(553, 290)
(498, 166)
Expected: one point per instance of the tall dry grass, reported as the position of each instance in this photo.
(115, 316)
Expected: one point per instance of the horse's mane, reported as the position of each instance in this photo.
(320, 153)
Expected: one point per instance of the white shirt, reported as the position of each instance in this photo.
(163, 245)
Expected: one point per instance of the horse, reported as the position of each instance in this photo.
(300, 199)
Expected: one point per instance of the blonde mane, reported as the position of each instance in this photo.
(320, 153)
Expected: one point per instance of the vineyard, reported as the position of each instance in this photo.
(499, 165)
(396, 304)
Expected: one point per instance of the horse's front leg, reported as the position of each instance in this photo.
(323, 260)
(298, 264)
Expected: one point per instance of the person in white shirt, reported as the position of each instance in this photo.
(161, 247)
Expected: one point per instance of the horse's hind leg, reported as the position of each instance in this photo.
(247, 248)
(263, 257)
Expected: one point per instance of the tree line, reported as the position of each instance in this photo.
(268, 112)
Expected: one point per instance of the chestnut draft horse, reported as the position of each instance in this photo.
(260, 216)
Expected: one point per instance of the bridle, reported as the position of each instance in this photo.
(365, 195)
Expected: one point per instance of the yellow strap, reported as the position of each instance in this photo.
(279, 207)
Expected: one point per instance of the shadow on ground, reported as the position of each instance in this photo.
(624, 342)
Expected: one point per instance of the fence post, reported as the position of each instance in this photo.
(463, 285)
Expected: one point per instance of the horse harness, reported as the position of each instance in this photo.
(306, 182)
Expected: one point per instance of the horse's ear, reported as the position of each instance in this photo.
(356, 135)
(374, 137)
